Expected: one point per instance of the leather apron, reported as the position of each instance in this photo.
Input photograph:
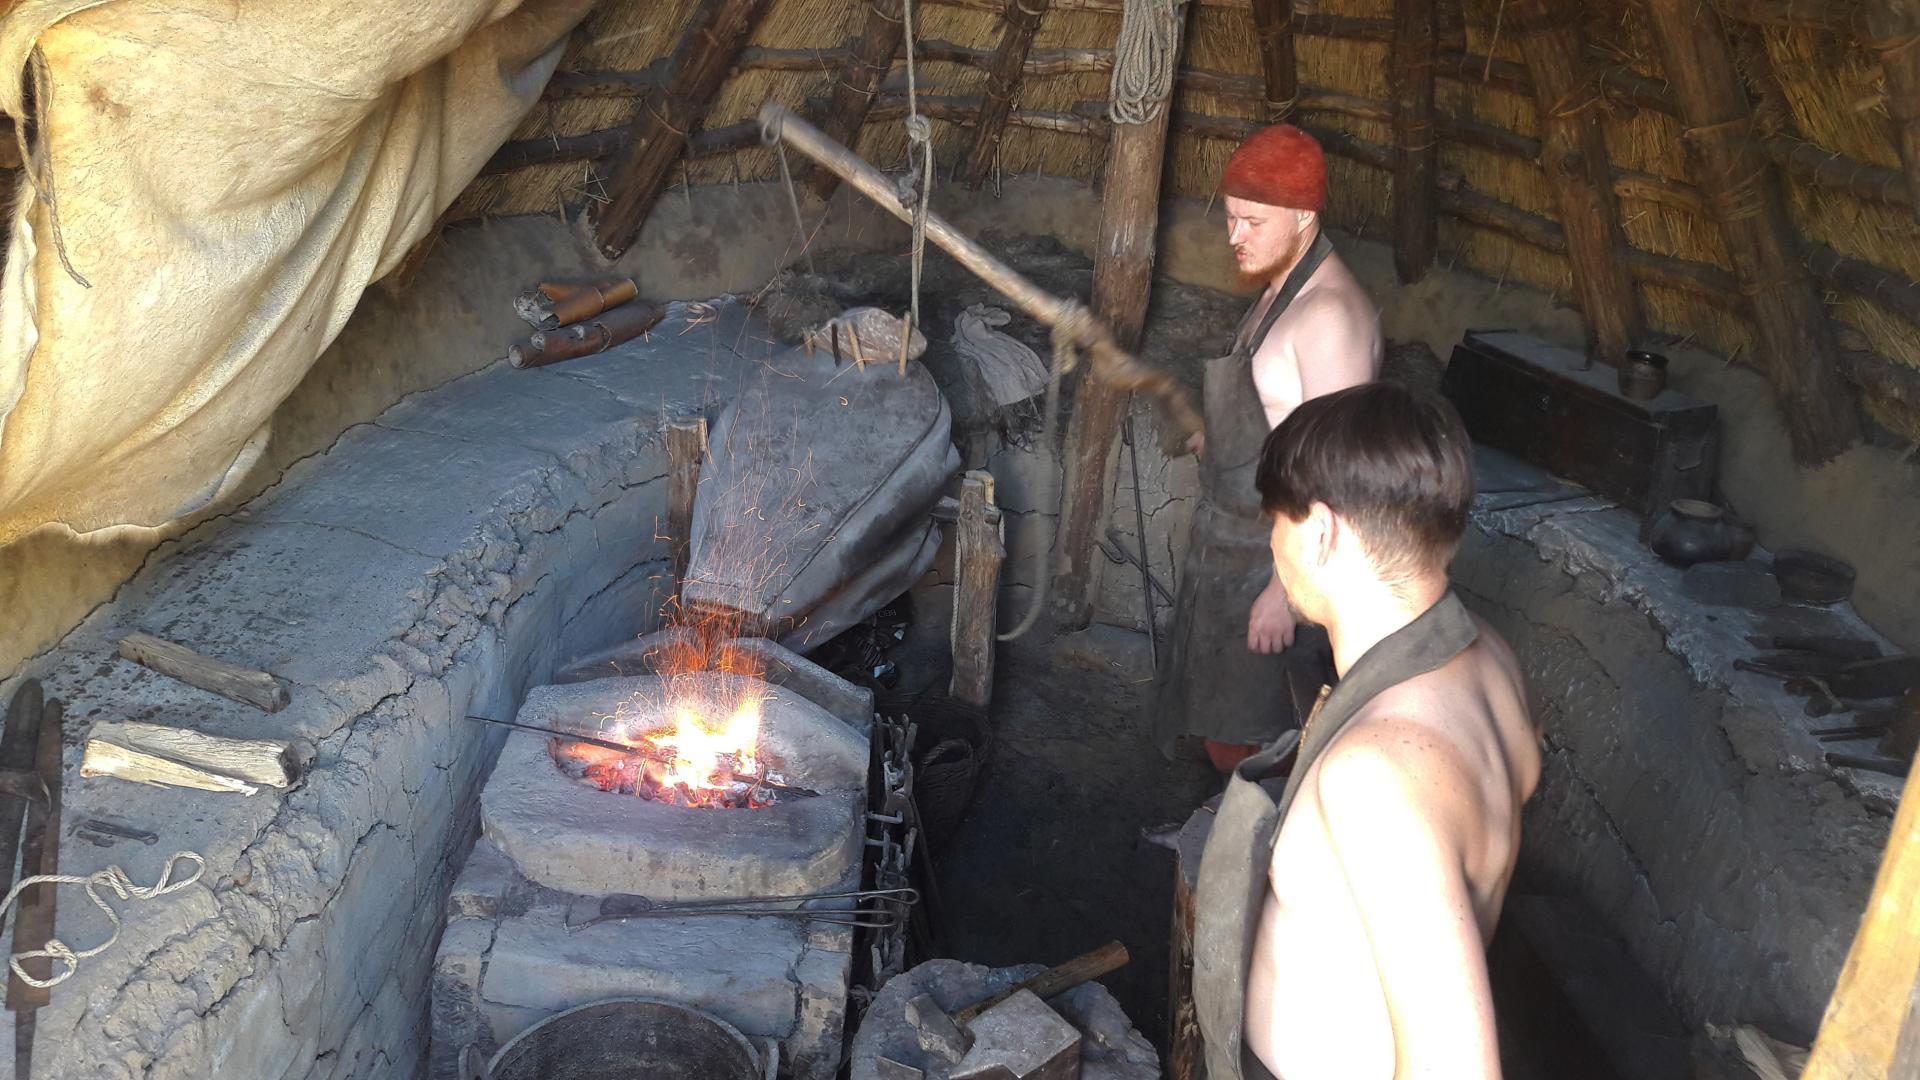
(1211, 685)
(1232, 887)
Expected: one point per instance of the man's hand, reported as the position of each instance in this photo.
(1270, 624)
(1197, 443)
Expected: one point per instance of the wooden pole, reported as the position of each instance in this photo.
(1862, 1033)
(1004, 73)
(1795, 342)
(1122, 287)
(1416, 149)
(1893, 32)
(1273, 26)
(978, 553)
(686, 448)
(659, 131)
(859, 81)
(1574, 155)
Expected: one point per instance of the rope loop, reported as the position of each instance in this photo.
(122, 886)
(1143, 60)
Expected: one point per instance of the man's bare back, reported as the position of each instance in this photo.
(1328, 338)
(1387, 880)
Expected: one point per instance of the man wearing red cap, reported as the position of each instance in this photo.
(1241, 671)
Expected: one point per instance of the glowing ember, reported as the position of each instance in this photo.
(695, 762)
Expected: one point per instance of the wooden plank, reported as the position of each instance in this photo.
(1574, 156)
(1795, 343)
(1416, 147)
(1122, 287)
(1861, 1034)
(34, 918)
(977, 555)
(1004, 72)
(706, 53)
(249, 686)
(19, 753)
(686, 449)
(1279, 66)
(859, 81)
(178, 757)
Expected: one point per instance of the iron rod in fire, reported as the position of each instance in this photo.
(642, 752)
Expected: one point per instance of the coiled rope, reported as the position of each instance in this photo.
(122, 886)
(1143, 60)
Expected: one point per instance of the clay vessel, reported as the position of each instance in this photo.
(1643, 374)
(1691, 531)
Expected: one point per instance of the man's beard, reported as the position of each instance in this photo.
(1263, 276)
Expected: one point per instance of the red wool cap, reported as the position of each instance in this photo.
(1278, 166)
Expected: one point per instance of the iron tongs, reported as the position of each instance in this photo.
(621, 906)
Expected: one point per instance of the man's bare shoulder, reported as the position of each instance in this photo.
(1390, 753)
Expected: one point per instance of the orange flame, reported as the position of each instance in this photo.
(708, 754)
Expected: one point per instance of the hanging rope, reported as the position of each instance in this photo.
(112, 878)
(1143, 60)
(920, 139)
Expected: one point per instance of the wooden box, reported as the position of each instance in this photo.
(1532, 400)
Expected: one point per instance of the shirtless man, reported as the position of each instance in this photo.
(1369, 888)
(1234, 677)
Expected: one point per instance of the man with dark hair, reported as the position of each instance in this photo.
(1343, 916)
(1238, 672)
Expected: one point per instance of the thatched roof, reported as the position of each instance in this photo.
(1818, 89)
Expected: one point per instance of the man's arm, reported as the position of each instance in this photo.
(1335, 344)
(1396, 802)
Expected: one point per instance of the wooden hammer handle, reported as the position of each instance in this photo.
(1056, 980)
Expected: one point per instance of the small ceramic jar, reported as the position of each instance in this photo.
(1691, 531)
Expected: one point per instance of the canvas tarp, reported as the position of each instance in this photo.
(224, 179)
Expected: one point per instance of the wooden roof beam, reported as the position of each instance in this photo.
(860, 78)
(1005, 69)
(1416, 149)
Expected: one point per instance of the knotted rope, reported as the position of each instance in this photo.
(1143, 60)
(1074, 325)
(112, 878)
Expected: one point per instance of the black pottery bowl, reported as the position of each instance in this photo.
(1812, 578)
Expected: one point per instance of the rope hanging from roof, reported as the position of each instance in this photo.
(1144, 59)
(920, 141)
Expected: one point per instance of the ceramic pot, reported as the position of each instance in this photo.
(1643, 374)
(1691, 531)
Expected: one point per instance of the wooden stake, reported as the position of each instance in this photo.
(1416, 151)
(177, 757)
(1795, 341)
(248, 686)
(978, 552)
(859, 81)
(659, 131)
(1122, 287)
(1273, 26)
(1574, 155)
(1861, 1037)
(1893, 32)
(686, 448)
(1004, 73)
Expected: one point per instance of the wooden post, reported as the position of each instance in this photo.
(1574, 155)
(1186, 1049)
(1861, 1036)
(1122, 286)
(659, 132)
(1004, 73)
(686, 449)
(1273, 26)
(859, 81)
(1416, 148)
(1794, 340)
(978, 552)
(1893, 27)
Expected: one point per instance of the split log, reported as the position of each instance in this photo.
(34, 915)
(1122, 288)
(1416, 149)
(249, 686)
(1864, 1033)
(686, 448)
(1004, 73)
(719, 30)
(1273, 27)
(1574, 155)
(1893, 33)
(859, 81)
(177, 757)
(978, 553)
(1054, 981)
(1795, 342)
